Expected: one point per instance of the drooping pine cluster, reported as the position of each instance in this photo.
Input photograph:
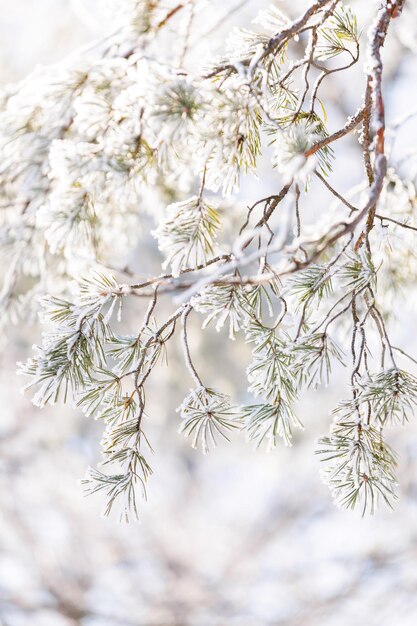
(94, 149)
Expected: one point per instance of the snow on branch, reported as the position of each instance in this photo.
(139, 130)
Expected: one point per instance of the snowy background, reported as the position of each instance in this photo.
(237, 538)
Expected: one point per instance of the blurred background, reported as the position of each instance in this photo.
(235, 538)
